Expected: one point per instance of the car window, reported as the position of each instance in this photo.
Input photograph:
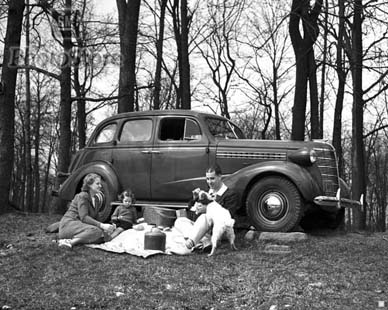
(106, 134)
(192, 130)
(223, 129)
(175, 129)
(136, 131)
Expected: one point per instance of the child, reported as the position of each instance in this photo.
(125, 215)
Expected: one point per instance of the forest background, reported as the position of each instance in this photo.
(280, 69)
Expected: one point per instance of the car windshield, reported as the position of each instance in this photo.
(223, 129)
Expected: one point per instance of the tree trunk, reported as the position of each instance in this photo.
(314, 103)
(185, 73)
(64, 150)
(36, 170)
(7, 98)
(159, 55)
(341, 74)
(78, 88)
(358, 162)
(181, 31)
(50, 151)
(276, 100)
(177, 34)
(323, 72)
(305, 61)
(128, 27)
(29, 181)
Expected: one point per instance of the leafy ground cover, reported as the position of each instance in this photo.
(329, 270)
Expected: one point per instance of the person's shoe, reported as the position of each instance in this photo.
(190, 244)
(206, 246)
(107, 237)
(66, 243)
(198, 247)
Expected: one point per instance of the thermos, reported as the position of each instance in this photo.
(155, 240)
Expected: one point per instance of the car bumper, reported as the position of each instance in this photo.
(338, 202)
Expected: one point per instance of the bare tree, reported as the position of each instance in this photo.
(181, 24)
(62, 20)
(216, 47)
(7, 98)
(159, 56)
(341, 74)
(266, 68)
(377, 179)
(302, 15)
(358, 149)
(184, 57)
(128, 28)
(90, 41)
(28, 163)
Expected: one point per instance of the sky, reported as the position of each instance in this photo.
(105, 6)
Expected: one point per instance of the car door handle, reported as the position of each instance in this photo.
(146, 152)
(155, 152)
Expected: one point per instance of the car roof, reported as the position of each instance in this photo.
(175, 112)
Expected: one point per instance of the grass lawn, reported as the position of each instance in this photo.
(327, 271)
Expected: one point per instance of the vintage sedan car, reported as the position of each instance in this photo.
(163, 155)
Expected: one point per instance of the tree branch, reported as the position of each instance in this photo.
(375, 130)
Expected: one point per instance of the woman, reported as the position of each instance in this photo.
(225, 196)
(80, 224)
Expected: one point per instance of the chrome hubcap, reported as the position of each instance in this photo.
(273, 206)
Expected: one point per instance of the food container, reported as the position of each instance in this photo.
(159, 216)
(155, 240)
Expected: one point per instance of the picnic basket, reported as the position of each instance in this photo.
(159, 216)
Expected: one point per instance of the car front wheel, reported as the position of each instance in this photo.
(274, 204)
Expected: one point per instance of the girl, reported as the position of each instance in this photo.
(125, 215)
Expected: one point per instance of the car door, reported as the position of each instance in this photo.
(132, 156)
(179, 158)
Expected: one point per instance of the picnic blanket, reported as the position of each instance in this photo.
(131, 241)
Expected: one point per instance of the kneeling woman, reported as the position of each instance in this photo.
(80, 224)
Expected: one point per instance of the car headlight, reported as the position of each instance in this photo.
(304, 156)
(313, 156)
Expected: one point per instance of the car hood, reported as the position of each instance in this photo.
(283, 145)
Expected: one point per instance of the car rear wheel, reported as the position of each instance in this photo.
(274, 204)
(107, 195)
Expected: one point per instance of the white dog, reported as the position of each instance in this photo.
(218, 217)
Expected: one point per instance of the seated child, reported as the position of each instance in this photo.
(125, 215)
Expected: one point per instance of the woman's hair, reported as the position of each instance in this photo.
(89, 180)
(127, 193)
(214, 168)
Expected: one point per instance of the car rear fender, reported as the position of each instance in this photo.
(243, 179)
(73, 183)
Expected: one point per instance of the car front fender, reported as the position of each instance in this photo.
(71, 186)
(243, 179)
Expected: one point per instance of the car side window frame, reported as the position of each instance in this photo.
(129, 142)
(96, 141)
(184, 138)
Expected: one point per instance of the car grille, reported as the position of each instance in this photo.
(327, 164)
